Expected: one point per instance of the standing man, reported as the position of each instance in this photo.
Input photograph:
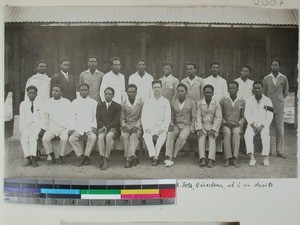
(65, 80)
(208, 122)
(115, 80)
(169, 82)
(93, 78)
(233, 120)
(193, 82)
(245, 84)
(182, 123)
(57, 112)
(31, 125)
(131, 127)
(142, 80)
(108, 124)
(259, 114)
(41, 81)
(83, 122)
(276, 87)
(156, 118)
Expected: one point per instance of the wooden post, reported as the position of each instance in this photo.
(16, 72)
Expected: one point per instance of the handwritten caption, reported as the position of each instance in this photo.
(223, 186)
(268, 2)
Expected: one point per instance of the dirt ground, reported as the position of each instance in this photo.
(185, 166)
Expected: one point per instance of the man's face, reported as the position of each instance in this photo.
(84, 91)
(141, 66)
(41, 68)
(31, 93)
(257, 89)
(156, 88)
(56, 93)
(275, 66)
(65, 66)
(131, 92)
(215, 69)
(190, 70)
(245, 72)
(181, 92)
(92, 63)
(232, 89)
(208, 93)
(108, 94)
(116, 66)
(167, 70)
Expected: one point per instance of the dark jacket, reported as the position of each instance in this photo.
(108, 118)
(69, 90)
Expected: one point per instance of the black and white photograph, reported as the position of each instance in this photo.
(116, 93)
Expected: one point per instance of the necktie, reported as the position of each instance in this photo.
(32, 108)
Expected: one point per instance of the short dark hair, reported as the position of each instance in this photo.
(141, 60)
(246, 66)
(111, 89)
(157, 82)
(258, 82)
(32, 87)
(65, 59)
(276, 60)
(209, 86)
(214, 63)
(182, 85)
(40, 61)
(114, 59)
(92, 57)
(168, 64)
(132, 86)
(234, 82)
(191, 64)
(84, 85)
(59, 86)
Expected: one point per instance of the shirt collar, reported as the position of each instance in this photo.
(279, 75)
(127, 103)
(65, 74)
(228, 97)
(96, 71)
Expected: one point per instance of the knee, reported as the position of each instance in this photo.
(91, 137)
(110, 136)
(181, 138)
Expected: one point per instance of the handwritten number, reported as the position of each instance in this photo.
(256, 2)
(54, 201)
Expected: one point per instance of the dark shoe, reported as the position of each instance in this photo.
(38, 155)
(282, 155)
(134, 161)
(235, 163)
(60, 160)
(227, 163)
(51, 162)
(196, 154)
(127, 164)
(155, 162)
(34, 164)
(84, 161)
(28, 163)
(101, 161)
(105, 164)
(210, 163)
(202, 162)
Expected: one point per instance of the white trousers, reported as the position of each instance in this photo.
(29, 139)
(154, 150)
(265, 139)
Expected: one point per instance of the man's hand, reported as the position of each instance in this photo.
(134, 130)
(126, 129)
(155, 137)
(236, 124)
(227, 124)
(212, 133)
(41, 133)
(114, 130)
(200, 133)
(259, 129)
(70, 132)
(254, 128)
(94, 130)
(101, 130)
(171, 128)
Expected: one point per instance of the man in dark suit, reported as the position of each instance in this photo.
(65, 80)
(276, 87)
(108, 124)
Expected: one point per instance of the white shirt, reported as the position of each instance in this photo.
(83, 115)
(144, 85)
(275, 79)
(156, 115)
(128, 103)
(255, 112)
(219, 84)
(107, 104)
(27, 118)
(66, 75)
(245, 88)
(181, 104)
(117, 82)
(58, 114)
(192, 82)
(232, 102)
(42, 83)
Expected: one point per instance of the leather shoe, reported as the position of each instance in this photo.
(235, 163)
(210, 163)
(227, 163)
(202, 162)
(105, 164)
(282, 155)
(127, 164)
(134, 161)
(155, 162)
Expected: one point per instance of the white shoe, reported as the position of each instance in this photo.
(252, 162)
(166, 160)
(266, 162)
(169, 163)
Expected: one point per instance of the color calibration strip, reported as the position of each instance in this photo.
(90, 192)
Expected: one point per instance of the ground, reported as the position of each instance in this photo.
(185, 166)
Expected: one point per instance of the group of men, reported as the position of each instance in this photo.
(163, 111)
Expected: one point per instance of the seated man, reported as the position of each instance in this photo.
(108, 122)
(31, 125)
(57, 113)
(156, 117)
(131, 127)
(182, 123)
(83, 122)
(208, 122)
(233, 120)
(259, 115)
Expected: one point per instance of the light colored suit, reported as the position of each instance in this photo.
(183, 121)
(169, 86)
(232, 112)
(277, 93)
(194, 88)
(208, 118)
(131, 117)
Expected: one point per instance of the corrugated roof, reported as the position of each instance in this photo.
(202, 15)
